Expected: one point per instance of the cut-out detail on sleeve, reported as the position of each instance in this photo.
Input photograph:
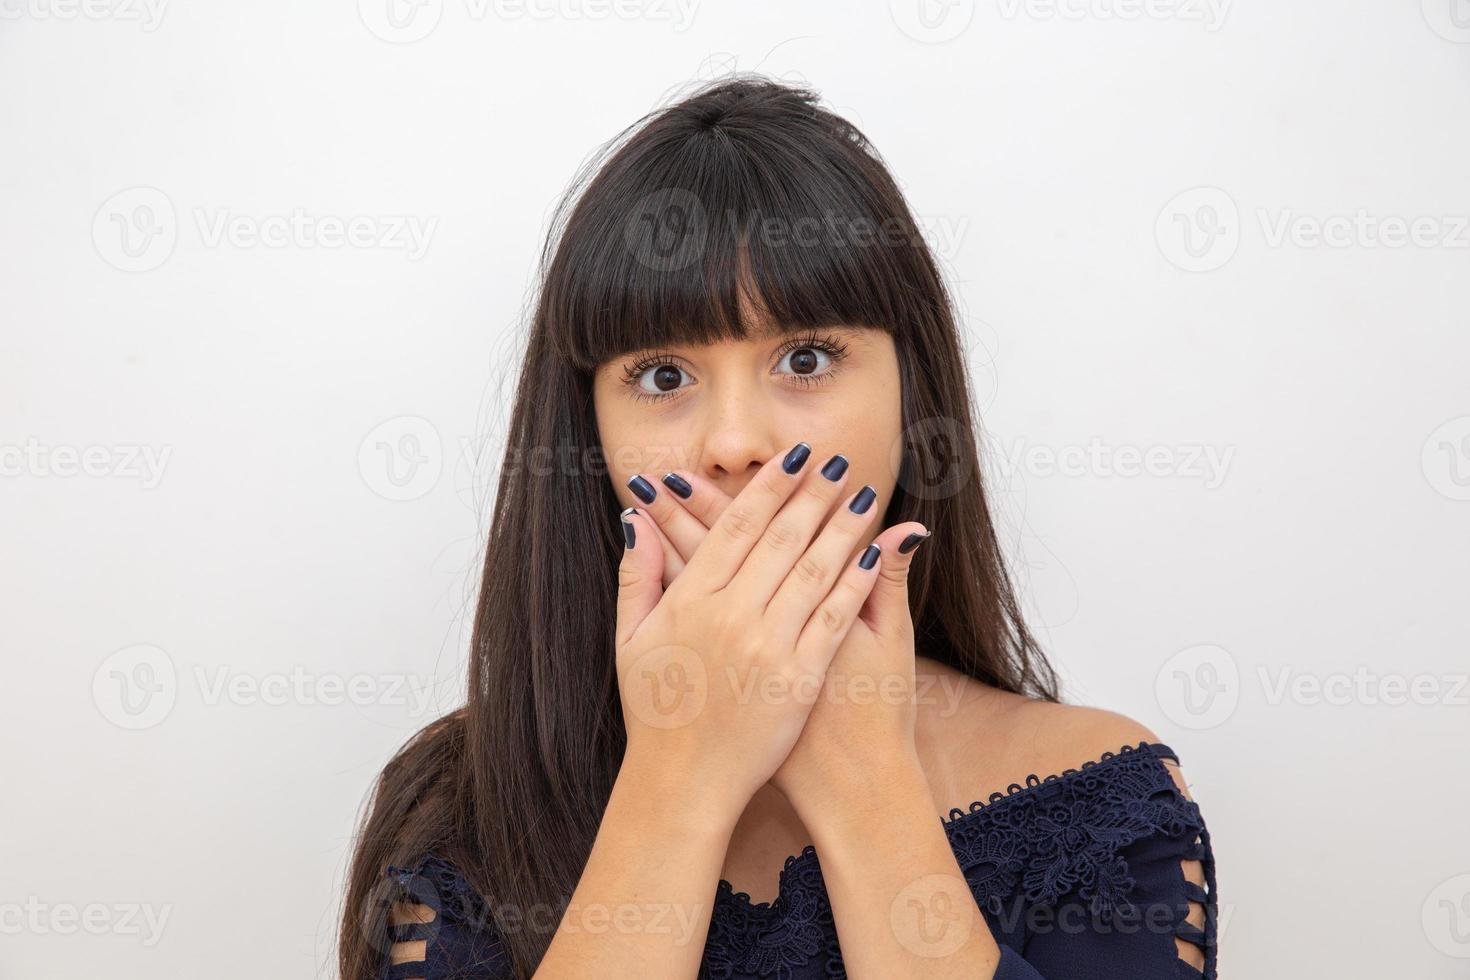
(408, 928)
(1195, 934)
(439, 926)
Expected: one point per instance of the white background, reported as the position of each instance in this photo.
(286, 394)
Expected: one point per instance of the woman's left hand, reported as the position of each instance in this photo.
(862, 725)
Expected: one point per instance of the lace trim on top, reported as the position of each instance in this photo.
(1047, 838)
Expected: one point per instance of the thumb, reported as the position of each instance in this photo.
(640, 573)
(886, 610)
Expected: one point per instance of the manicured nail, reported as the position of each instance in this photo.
(836, 466)
(678, 484)
(630, 534)
(911, 542)
(869, 557)
(642, 489)
(863, 500)
(796, 459)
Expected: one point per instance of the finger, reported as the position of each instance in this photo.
(744, 521)
(887, 610)
(832, 619)
(701, 498)
(785, 543)
(640, 573)
(679, 527)
(808, 583)
(673, 561)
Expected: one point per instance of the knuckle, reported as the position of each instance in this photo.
(629, 575)
(739, 522)
(767, 486)
(830, 617)
(817, 494)
(784, 536)
(810, 570)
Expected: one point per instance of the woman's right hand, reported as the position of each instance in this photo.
(719, 672)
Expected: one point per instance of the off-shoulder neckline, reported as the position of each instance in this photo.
(958, 816)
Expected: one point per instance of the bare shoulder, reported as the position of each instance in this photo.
(983, 739)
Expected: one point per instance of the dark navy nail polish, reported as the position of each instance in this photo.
(836, 466)
(642, 489)
(911, 542)
(678, 484)
(796, 459)
(869, 557)
(863, 500)
(630, 533)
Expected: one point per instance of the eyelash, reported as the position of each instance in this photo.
(826, 343)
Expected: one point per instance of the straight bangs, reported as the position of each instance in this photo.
(717, 234)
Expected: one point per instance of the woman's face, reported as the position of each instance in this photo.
(721, 410)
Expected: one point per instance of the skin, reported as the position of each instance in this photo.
(722, 417)
(740, 784)
(740, 403)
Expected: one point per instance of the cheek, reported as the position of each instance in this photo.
(632, 444)
(867, 428)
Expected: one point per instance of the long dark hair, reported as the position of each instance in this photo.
(745, 184)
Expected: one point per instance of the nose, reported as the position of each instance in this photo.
(738, 432)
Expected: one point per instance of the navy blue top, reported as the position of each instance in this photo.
(1078, 875)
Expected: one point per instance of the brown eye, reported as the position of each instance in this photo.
(664, 378)
(805, 360)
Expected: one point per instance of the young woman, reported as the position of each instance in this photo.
(780, 717)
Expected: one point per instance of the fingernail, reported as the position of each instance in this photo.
(836, 466)
(678, 484)
(642, 489)
(869, 557)
(630, 534)
(863, 500)
(796, 459)
(911, 542)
